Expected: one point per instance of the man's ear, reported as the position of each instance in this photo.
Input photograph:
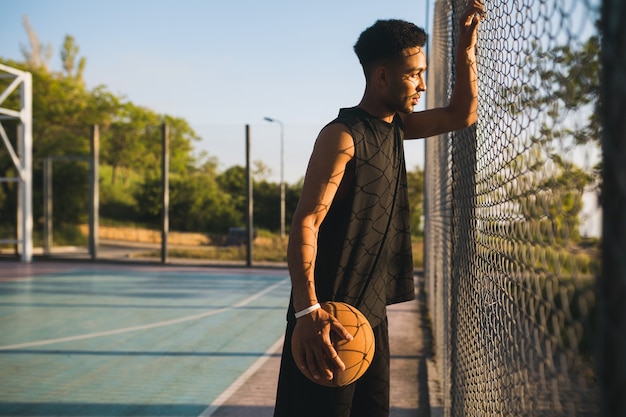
(381, 76)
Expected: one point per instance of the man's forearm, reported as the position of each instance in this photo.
(301, 254)
(464, 98)
(464, 101)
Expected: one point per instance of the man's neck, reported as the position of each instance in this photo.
(376, 109)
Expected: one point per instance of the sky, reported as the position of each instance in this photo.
(222, 65)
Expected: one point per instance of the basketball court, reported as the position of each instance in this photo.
(83, 339)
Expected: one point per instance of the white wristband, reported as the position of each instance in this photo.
(308, 310)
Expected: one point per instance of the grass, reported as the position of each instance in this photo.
(266, 248)
(263, 250)
(418, 253)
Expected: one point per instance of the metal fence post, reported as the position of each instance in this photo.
(47, 207)
(94, 192)
(165, 191)
(249, 200)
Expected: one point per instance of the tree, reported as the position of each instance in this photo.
(261, 171)
(196, 203)
(69, 54)
(266, 198)
(415, 180)
(132, 140)
(233, 182)
(563, 104)
(38, 56)
(181, 138)
(550, 209)
(64, 111)
(570, 77)
(266, 205)
(8, 190)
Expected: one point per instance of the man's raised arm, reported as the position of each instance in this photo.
(461, 110)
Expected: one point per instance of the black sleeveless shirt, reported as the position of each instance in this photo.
(364, 243)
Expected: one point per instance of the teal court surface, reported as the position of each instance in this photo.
(83, 339)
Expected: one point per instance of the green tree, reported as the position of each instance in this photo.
(292, 196)
(196, 203)
(267, 205)
(64, 111)
(181, 137)
(266, 198)
(69, 55)
(564, 103)
(415, 180)
(8, 190)
(134, 140)
(570, 82)
(233, 182)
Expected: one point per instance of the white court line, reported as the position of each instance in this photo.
(144, 326)
(243, 378)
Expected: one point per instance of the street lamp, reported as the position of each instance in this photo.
(282, 175)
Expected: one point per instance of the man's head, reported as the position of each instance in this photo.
(391, 53)
(386, 40)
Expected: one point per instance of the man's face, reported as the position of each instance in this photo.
(407, 81)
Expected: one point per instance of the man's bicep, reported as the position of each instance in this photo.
(333, 149)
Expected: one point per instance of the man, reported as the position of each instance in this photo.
(350, 239)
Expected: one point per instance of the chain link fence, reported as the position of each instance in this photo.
(512, 230)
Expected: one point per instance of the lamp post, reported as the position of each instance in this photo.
(282, 175)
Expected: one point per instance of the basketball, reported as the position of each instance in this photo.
(356, 354)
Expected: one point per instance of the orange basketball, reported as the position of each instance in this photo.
(356, 354)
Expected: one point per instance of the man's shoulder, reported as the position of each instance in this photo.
(350, 118)
(351, 113)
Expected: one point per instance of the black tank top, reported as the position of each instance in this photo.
(364, 243)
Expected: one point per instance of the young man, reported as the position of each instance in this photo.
(350, 239)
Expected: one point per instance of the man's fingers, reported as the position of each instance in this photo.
(336, 361)
(341, 331)
(306, 359)
(317, 353)
(475, 10)
(478, 10)
(325, 368)
(312, 365)
(317, 363)
(320, 362)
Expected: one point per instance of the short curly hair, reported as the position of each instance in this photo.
(386, 39)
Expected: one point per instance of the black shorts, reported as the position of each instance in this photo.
(367, 397)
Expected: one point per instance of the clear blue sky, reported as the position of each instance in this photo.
(221, 64)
